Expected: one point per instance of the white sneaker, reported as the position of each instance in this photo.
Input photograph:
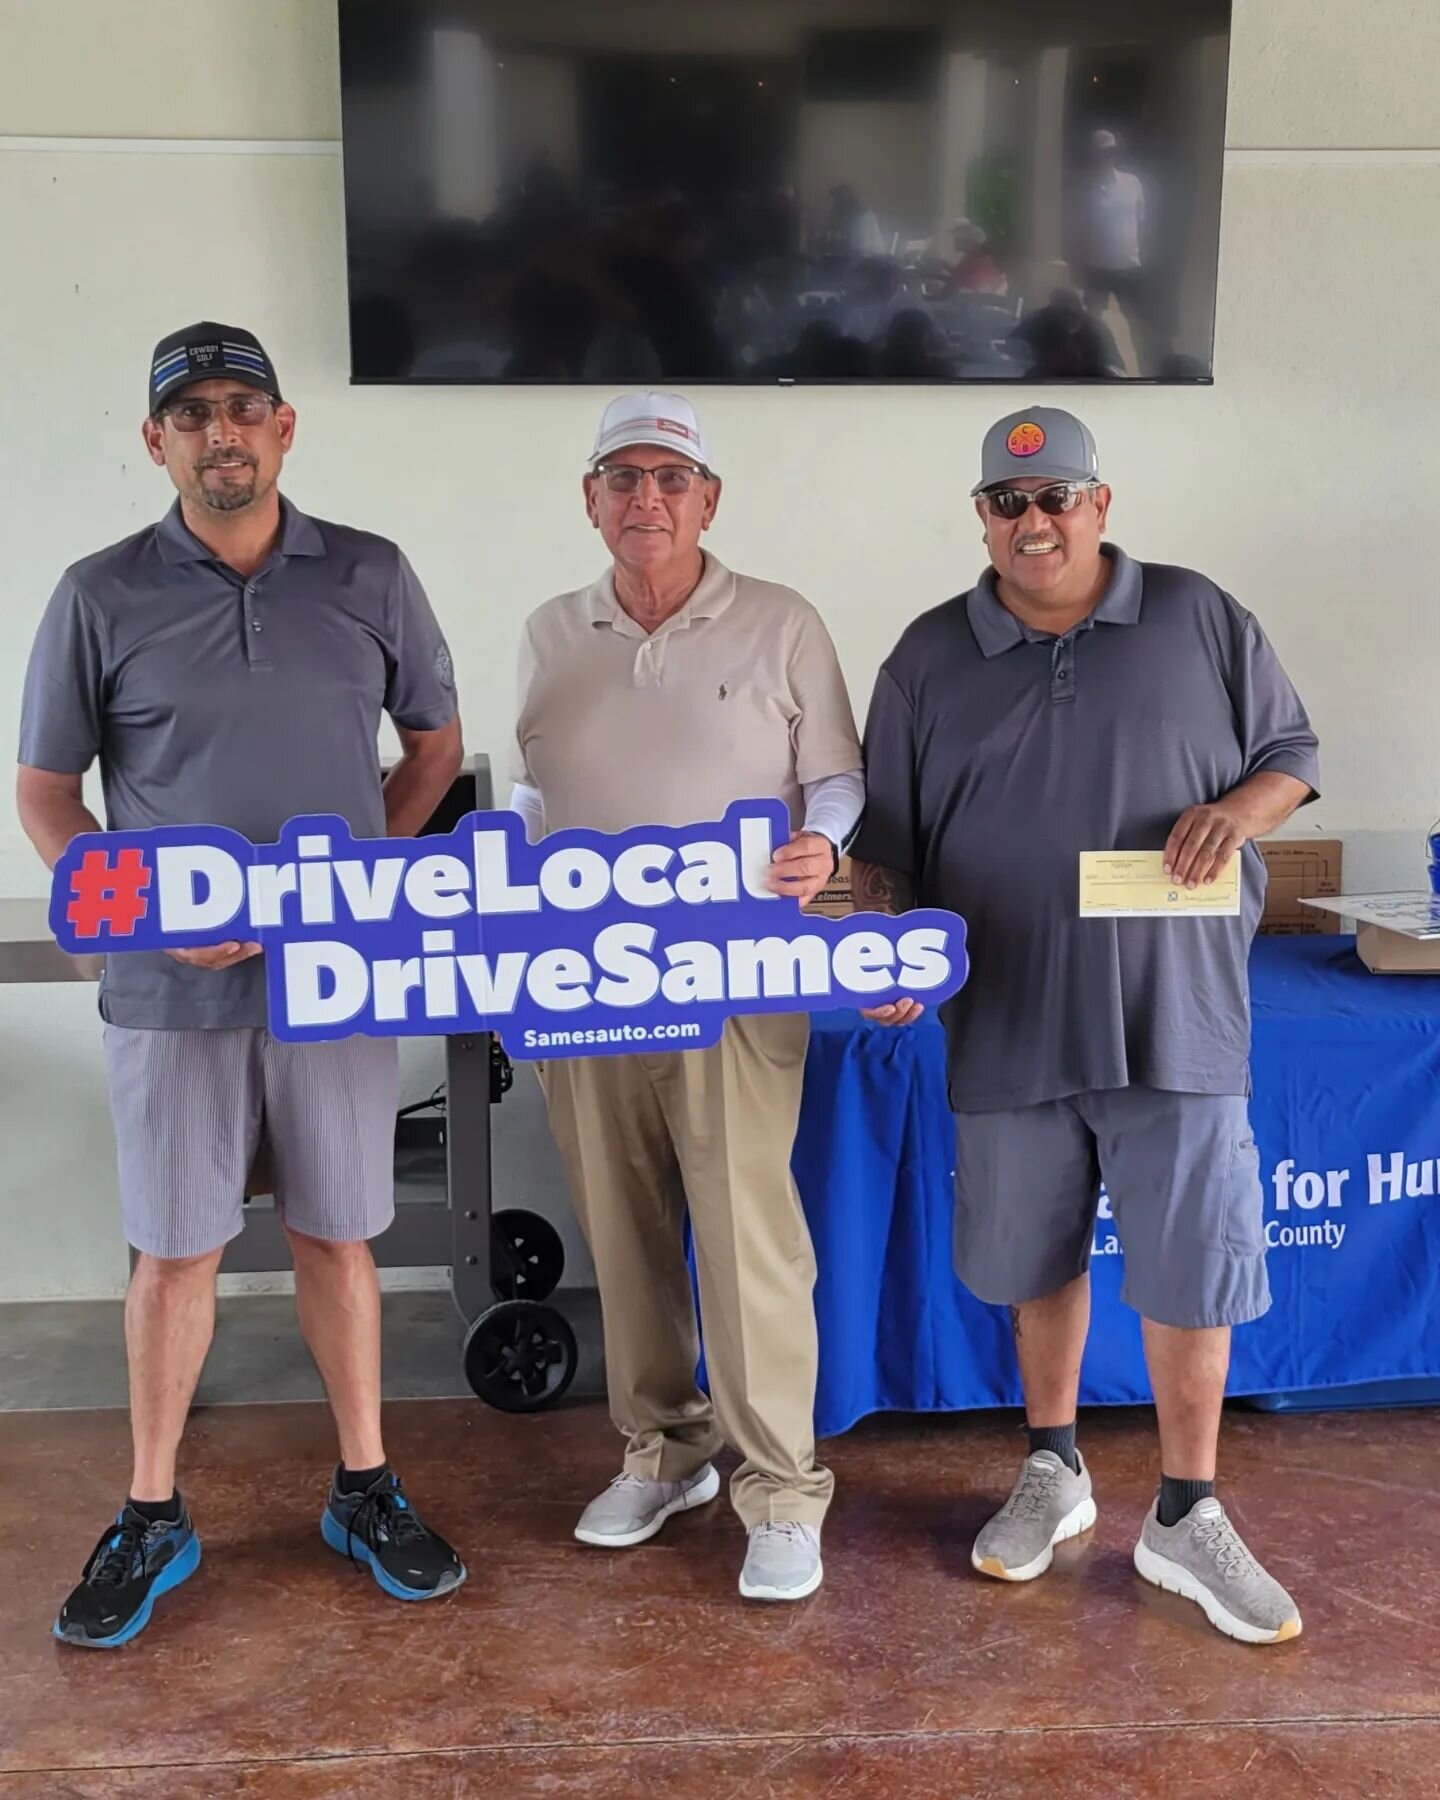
(782, 1562)
(632, 1509)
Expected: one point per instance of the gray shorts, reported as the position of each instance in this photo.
(189, 1109)
(1183, 1177)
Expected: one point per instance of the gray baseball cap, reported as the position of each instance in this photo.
(1042, 440)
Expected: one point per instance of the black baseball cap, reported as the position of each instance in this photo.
(205, 352)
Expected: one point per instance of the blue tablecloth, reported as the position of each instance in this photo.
(1346, 1069)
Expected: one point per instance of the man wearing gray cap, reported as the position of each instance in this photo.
(229, 666)
(1077, 701)
(658, 695)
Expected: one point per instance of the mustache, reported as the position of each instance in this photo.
(213, 458)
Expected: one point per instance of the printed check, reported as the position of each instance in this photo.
(1132, 884)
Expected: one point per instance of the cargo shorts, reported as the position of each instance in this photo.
(1183, 1176)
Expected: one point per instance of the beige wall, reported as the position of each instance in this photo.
(1305, 480)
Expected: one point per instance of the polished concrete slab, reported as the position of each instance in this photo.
(560, 1670)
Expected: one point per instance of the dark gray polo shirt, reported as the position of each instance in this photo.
(995, 754)
(215, 700)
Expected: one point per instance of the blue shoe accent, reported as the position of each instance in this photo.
(380, 1527)
(358, 1550)
(178, 1570)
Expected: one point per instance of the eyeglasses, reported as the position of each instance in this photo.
(240, 409)
(1013, 503)
(670, 478)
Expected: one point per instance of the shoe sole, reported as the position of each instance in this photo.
(773, 1593)
(700, 1495)
(338, 1539)
(1079, 1519)
(169, 1578)
(1162, 1573)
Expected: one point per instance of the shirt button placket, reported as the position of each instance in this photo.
(1062, 670)
(255, 652)
(645, 669)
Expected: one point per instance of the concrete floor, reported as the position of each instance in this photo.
(557, 1670)
(64, 1355)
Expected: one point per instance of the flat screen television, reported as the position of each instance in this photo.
(637, 192)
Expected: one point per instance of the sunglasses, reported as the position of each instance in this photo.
(1013, 503)
(240, 409)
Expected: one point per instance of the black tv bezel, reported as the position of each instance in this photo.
(869, 383)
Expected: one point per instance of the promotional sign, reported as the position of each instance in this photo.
(582, 944)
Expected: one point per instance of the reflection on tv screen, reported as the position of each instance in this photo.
(684, 191)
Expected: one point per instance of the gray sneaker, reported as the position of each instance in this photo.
(632, 1509)
(1205, 1559)
(782, 1562)
(1047, 1505)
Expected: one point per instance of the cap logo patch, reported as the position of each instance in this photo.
(203, 356)
(679, 429)
(1026, 439)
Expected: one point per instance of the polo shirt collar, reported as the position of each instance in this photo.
(299, 536)
(713, 593)
(998, 630)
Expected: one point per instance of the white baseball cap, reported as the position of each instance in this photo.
(667, 420)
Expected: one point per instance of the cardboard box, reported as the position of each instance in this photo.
(835, 900)
(1395, 933)
(1395, 952)
(1299, 868)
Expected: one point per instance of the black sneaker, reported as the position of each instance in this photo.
(132, 1565)
(381, 1529)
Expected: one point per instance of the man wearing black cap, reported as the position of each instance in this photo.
(1077, 701)
(229, 666)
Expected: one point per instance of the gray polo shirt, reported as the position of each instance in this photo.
(211, 699)
(995, 754)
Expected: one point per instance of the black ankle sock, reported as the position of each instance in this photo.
(154, 1511)
(1060, 1439)
(1177, 1497)
(355, 1481)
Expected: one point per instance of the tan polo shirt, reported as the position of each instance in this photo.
(739, 696)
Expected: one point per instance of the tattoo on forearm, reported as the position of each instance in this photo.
(878, 889)
(1015, 1322)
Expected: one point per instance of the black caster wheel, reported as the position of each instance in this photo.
(520, 1356)
(527, 1258)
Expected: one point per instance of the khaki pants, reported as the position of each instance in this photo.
(639, 1136)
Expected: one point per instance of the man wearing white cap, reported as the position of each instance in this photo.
(658, 695)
